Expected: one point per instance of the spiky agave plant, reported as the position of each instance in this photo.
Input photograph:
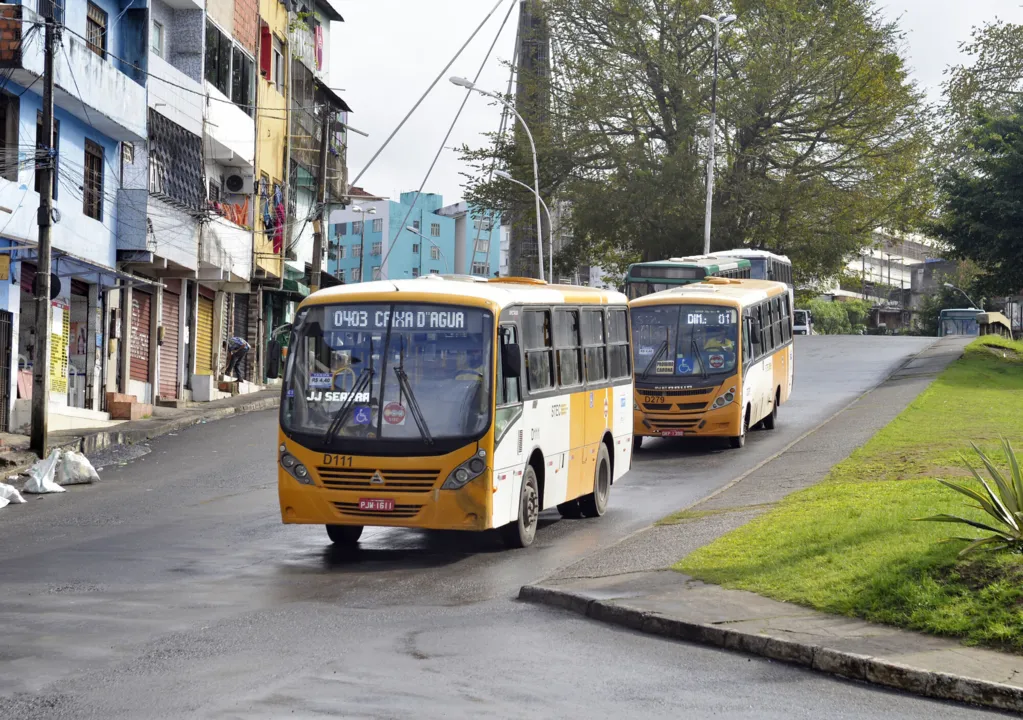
(1004, 507)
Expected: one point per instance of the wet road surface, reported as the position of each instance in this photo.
(172, 590)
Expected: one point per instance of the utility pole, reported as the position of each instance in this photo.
(321, 203)
(41, 353)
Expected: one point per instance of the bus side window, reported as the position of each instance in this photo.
(747, 351)
(618, 355)
(536, 331)
(594, 344)
(508, 385)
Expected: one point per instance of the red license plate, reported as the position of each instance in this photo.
(672, 433)
(376, 505)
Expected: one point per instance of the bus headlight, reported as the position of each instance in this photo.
(461, 475)
(296, 469)
(724, 399)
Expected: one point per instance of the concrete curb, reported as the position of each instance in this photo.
(847, 665)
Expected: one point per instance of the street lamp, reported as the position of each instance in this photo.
(718, 23)
(470, 85)
(550, 223)
(362, 238)
(950, 286)
(443, 257)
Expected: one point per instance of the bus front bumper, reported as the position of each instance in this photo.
(463, 509)
(723, 422)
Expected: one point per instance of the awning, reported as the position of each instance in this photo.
(295, 287)
(64, 264)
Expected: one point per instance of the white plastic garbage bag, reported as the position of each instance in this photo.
(75, 469)
(9, 494)
(40, 475)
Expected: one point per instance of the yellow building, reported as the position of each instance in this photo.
(271, 141)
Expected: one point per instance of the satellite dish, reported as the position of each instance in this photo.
(54, 285)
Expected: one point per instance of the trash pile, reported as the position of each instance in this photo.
(59, 469)
(9, 494)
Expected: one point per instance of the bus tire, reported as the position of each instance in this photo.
(344, 535)
(740, 441)
(770, 420)
(570, 510)
(595, 504)
(520, 532)
(637, 442)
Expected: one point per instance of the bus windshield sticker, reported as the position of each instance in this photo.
(717, 361)
(394, 414)
(684, 366)
(362, 415)
(321, 381)
(665, 367)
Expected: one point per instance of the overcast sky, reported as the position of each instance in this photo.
(387, 52)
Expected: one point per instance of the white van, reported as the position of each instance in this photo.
(802, 323)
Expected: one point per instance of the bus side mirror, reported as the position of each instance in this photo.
(273, 361)
(511, 360)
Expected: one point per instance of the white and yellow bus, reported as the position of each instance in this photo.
(454, 404)
(712, 359)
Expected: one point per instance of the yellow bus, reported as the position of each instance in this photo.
(712, 359)
(455, 404)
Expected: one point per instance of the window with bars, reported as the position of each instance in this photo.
(434, 252)
(340, 252)
(483, 246)
(480, 268)
(356, 251)
(378, 247)
(435, 230)
(376, 273)
(96, 29)
(156, 41)
(356, 274)
(378, 225)
(342, 229)
(415, 249)
(341, 274)
(92, 195)
(415, 272)
(357, 227)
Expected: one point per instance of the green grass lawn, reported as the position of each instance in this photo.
(848, 545)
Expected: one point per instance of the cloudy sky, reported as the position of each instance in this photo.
(389, 51)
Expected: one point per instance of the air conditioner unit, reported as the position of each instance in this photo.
(238, 184)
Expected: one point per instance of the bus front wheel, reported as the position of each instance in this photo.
(595, 504)
(637, 442)
(740, 441)
(520, 532)
(344, 535)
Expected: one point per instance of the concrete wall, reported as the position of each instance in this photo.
(77, 234)
(229, 126)
(181, 106)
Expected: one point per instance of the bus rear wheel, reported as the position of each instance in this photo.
(595, 504)
(344, 535)
(520, 532)
(770, 420)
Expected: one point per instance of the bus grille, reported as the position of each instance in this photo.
(692, 406)
(681, 392)
(394, 481)
(400, 512)
(657, 406)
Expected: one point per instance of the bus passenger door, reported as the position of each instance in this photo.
(509, 443)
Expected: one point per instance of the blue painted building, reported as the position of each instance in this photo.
(371, 239)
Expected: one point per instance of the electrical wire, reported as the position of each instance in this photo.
(451, 128)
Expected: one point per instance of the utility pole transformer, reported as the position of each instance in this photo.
(41, 351)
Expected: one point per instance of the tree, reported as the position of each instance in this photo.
(822, 133)
(982, 204)
(829, 318)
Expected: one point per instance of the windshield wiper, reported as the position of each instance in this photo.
(413, 405)
(699, 358)
(341, 416)
(660, 349)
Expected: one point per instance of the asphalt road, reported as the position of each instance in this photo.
(171, 590)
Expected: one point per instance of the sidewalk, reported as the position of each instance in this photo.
(629, 584)
(15, 456)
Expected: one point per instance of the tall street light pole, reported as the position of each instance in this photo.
(950, 286)
(718, 23)
(470, 85)
(550, 223)
(362, 236)
(440, 252)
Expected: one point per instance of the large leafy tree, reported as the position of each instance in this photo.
(820, 132)
(982, 212)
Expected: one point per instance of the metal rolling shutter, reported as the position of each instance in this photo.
(141, 305)
(170, 349)
(241, 328)
(204, 337)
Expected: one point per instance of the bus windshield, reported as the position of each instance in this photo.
(684, 340)
(637, 289)
(364, 376)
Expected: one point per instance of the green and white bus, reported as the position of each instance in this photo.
(647, 278)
